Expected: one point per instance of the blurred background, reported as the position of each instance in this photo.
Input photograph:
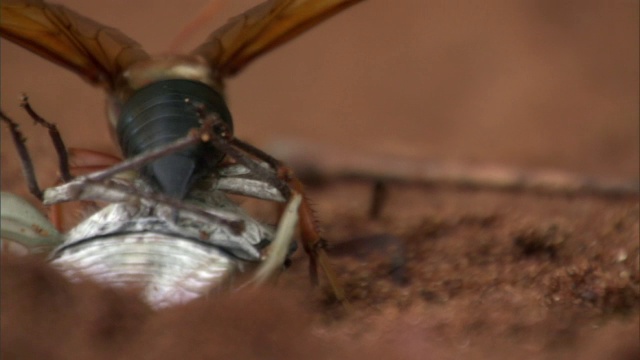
(538, 84)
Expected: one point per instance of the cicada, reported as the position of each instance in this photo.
(150, 98)
(170, 251)
(139, 245)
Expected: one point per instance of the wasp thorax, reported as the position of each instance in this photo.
(161, 113)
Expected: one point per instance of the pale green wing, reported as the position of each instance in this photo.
(23, 224)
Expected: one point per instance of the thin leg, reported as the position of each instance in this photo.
(194, 137)
(27, 164)
(58, 215)
(250, 149)
(284, 180)
(61, 150)
(313, 244)
(93, 186)
(240, 155)
(82, 161)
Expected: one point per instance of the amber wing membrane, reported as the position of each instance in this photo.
(262, 28)
(96, 52)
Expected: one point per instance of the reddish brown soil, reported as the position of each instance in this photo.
(444, 272)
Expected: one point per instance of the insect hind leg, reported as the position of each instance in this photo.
(283, 179)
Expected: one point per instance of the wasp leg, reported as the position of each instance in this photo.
(27, 164)
(95, 186)
(81, 162)
(192, 138)
(54, 134)
(282, 178)
(58, 213)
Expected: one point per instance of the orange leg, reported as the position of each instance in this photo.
(313, 244)
(288, 183)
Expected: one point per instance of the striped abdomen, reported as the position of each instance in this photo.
(161, 113)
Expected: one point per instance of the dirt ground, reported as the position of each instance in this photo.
(449, 269)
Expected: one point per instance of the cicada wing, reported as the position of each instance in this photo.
(94, 51)
(23, 224)
(262, 28)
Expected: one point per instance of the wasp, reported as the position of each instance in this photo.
(150, 97)
(171, 251)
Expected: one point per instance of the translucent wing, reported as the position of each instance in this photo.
(96, 52)
(263, 28)
(23, 224)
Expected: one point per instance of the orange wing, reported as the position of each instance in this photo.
(262, 28)
(96, 52)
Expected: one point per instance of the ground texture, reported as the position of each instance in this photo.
(448, 269)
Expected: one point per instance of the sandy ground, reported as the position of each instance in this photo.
(445, 271)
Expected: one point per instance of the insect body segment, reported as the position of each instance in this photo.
(171, 250)
(160, 114)
(143, 116)
(171, 259)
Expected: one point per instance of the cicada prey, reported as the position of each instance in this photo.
(171, 250)
(149, 96)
